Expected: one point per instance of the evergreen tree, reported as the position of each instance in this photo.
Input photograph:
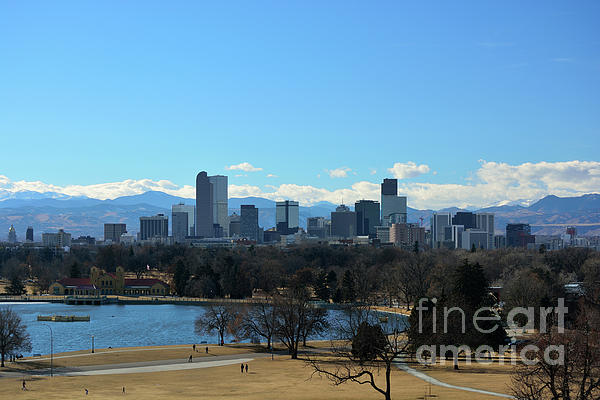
(75, 272)
(348, 287)
(16, 287)
(321, 288)
(181, 277)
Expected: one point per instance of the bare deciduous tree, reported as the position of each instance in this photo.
(366, 346)
(219, 318)
(260, 321)
(13, 334)
(574, 377)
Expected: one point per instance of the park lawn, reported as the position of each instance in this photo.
(129, 354)
(492, 377)
(281, 378)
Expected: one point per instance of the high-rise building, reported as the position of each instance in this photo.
(220, 202)
(318, 227)
(466, 219)
(456, 236)
(287, 217)
(406, 235)
(475, 237)
(343, 222)
(235, 225)
(249, 222)
(29, 234)
(179, 225)
(12, 235)
(393, 207)
(499, 241)
(204, 207)
(439, 222)
(178, 230)
(367, 217)
(113, 232)
(485, 222)
(154, 227)
(60, 239)
(383, 234)
(518, 235)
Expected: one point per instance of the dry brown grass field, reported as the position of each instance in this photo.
(281, 378)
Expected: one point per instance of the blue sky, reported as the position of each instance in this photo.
(96, 92)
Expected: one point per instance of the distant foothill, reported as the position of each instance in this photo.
(208, 222)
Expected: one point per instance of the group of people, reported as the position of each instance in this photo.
(197, 351)
(244, 367)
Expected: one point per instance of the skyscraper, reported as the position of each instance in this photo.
(179, 225)
(343, 222)
(287, 217)
(12, 235)
(29, 234)
(154, 227)
(318, 227)
(235, 223)
(467, 219)
(367, 217)
(518, 235)
(113, 232)
(439, 222)
(190, 214)
(220, 202)
(393, 207)
(249, 222)
(485, 222)
(204, 207)
(406, 235)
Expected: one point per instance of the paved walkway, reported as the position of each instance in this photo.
(160, 368)
(433, 381)
(144, 366)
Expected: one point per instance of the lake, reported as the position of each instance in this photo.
(115, 325)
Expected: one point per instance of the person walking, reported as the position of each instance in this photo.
(86, 392)
(24, 385)
(206, 349)
(190, 359)
(246, 368)
(242, 368)
(123, 389)
(194, 347)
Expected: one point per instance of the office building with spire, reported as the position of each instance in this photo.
(393, 207)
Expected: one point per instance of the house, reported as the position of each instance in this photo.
(102, 283)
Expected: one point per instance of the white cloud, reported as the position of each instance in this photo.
(272, 176)
(307, 194)
(373, 171)
(408, 170)
(492, 183)
(341, 172)
(245, 166)
(100, 191)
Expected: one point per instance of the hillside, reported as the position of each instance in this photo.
(85, 216)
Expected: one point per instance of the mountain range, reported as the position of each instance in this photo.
(49, 212)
